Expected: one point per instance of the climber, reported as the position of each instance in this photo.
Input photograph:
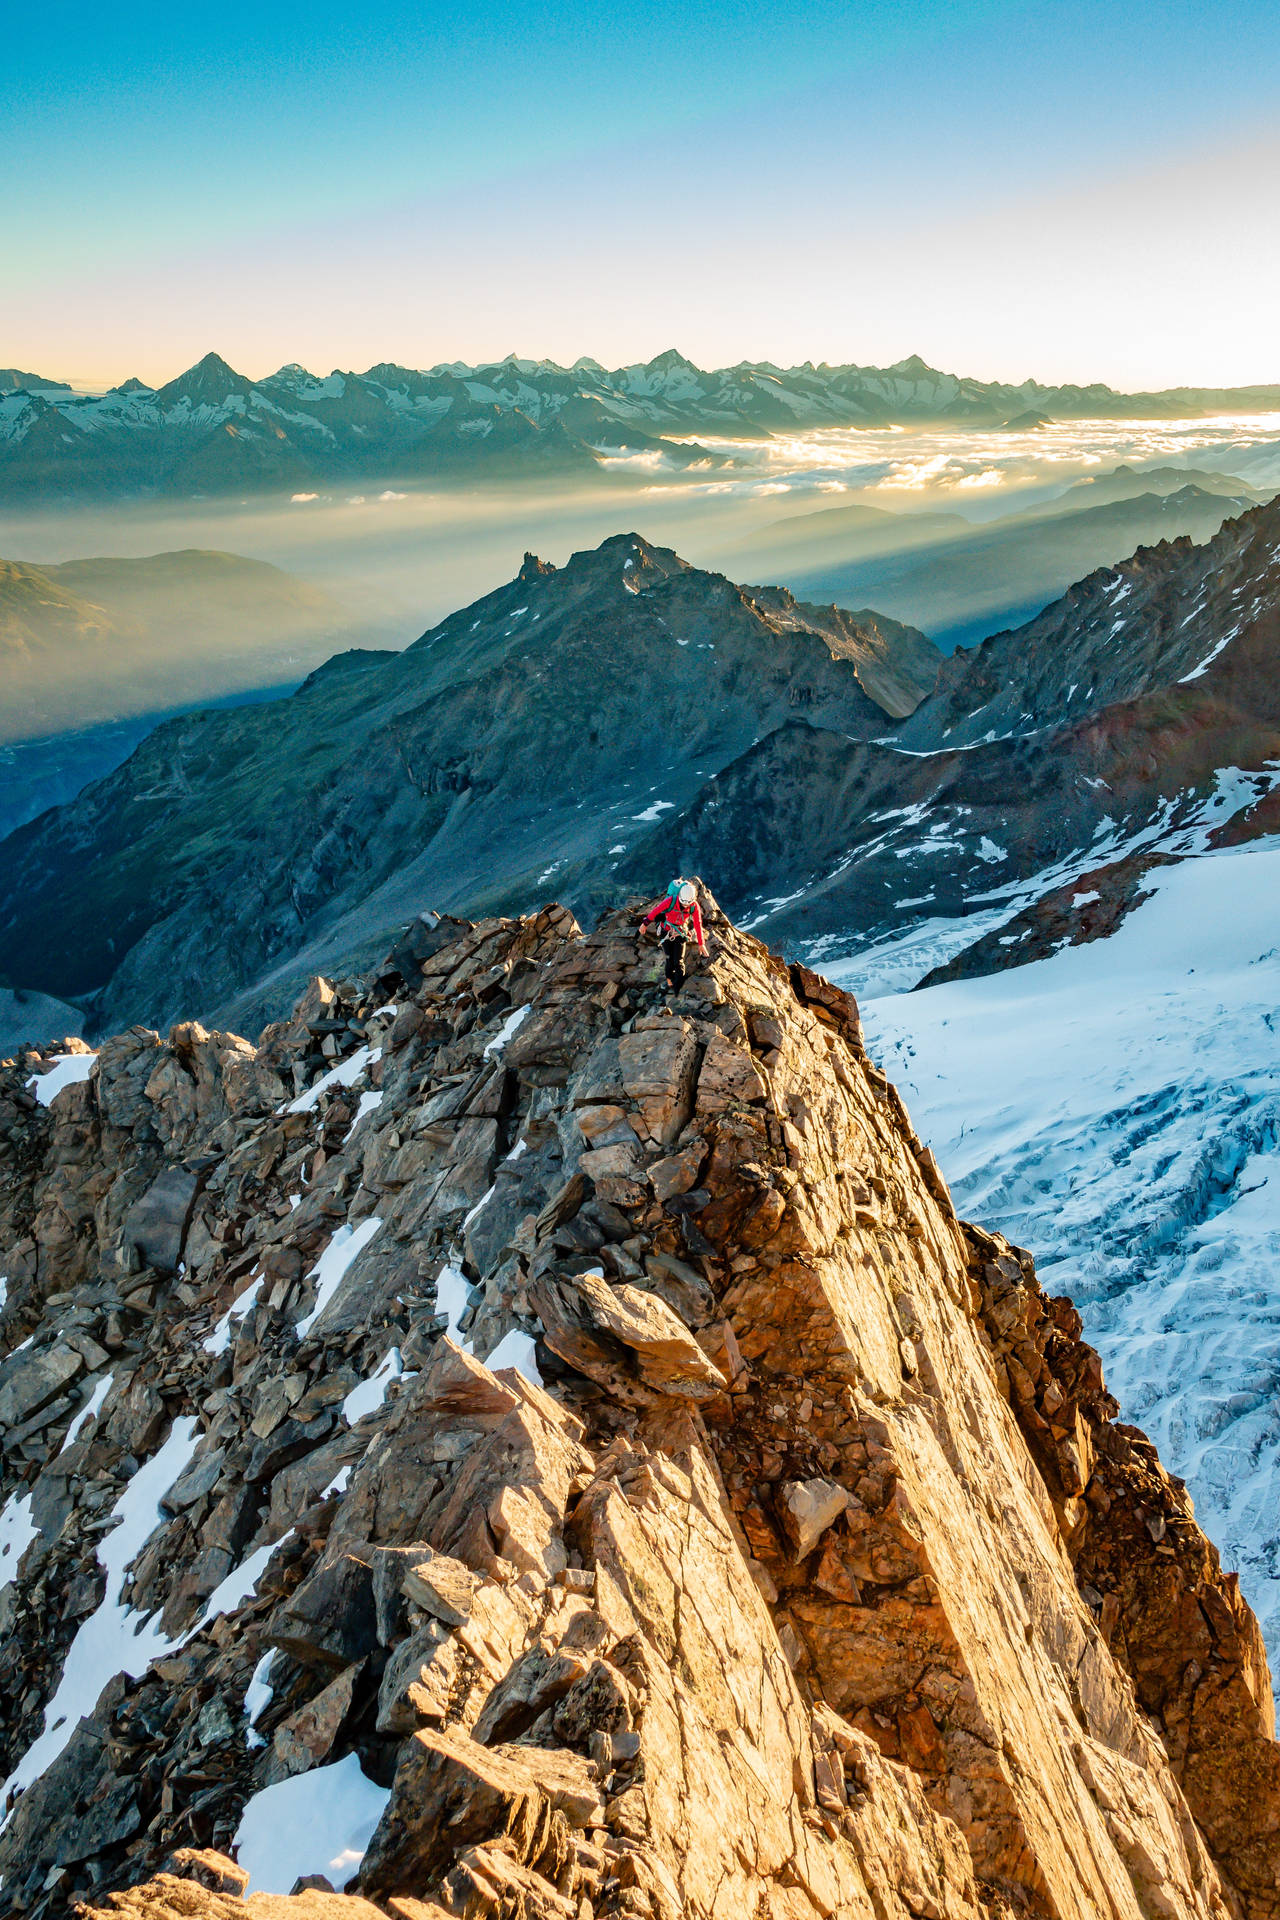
(680, 911)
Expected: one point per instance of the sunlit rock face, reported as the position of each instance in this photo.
(511, 1442)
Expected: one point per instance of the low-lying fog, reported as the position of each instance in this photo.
(411, 556)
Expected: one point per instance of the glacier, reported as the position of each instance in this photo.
(1115, 1109)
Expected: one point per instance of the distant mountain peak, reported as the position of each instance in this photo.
(12, 381)
(207, 383)
(668, 361)
(291, 374)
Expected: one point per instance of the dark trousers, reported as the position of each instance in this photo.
(673, 952)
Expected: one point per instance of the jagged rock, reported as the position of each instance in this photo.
(777, 1621)
(305, 1739)
(656, 1064)
(331, 1618)
(157, 1223)
(419, 1680)
(809, 1508)
(626, 1340)
(29, 1381)
(535, 1682)
(208, 1869)
(442, 1585)
(728, 1075)
(170, 1898)
(450, 1794)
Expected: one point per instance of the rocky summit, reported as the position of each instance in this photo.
(527, 741)
(506, 1444)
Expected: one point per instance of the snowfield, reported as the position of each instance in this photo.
(1115, 1109)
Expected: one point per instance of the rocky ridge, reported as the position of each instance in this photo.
(1135, 719)
(533, 735)
(797, 1565)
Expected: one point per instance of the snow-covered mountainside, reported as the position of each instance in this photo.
(1116, 1107)
(520, 1450)
(212, 429)
(1017, 805)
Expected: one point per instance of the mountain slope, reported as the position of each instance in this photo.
(533, 734)
(214, 430)
(569, 1459)
(1138, 716)
(1004, 572)
(86, 641)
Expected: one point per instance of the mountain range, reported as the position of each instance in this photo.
(212, 430)
(588, 730)
(960, 581)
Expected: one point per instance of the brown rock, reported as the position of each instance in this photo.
(729, 1076)
(622, 1337)
(451, 1794)
(657, 1068)
(441, 1585)
(305, 1739)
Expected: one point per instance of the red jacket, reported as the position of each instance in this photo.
(678, 918)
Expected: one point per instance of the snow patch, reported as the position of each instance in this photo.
(369, 1103)
(220, 1339)
(114, 1639)
(68, 1070)
(317, 1822)
(453, 1297)
(345, 1074)
(331, 1268)
(517, 1350)
(17, 1531)
(513, 1021)
(370, 1394)
(87, 1412)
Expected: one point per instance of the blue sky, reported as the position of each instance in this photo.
(1076, 191)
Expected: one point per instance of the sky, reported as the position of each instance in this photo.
(1070, 191)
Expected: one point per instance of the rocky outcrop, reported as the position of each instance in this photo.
(572, 1451)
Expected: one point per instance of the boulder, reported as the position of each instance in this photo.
(451, 1793)
(30, 1380)
(809, 1507)
(657, 1064)
(306, 1738)
(157, 1223)
(331, 1619)
(442, 1586)
(623, 1338)
(728, 1077)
